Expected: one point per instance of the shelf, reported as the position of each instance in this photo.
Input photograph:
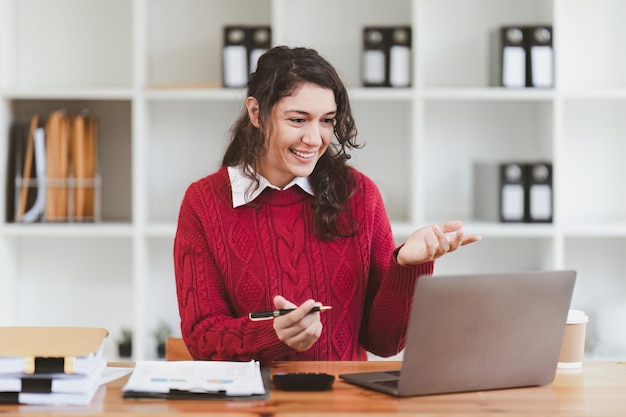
(72, 230)
(69, 94)
(489, 94)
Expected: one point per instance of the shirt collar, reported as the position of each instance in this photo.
(240, 184)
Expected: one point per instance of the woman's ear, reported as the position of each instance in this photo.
(253, 111)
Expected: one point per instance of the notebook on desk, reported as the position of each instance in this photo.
(479, 332)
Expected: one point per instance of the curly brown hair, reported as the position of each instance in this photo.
(280, 72)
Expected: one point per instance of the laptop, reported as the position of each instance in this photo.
(479, 332)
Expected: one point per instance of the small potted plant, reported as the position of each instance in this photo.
(125, 343)
(161, 333)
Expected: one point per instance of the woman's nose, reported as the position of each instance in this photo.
(313, 135)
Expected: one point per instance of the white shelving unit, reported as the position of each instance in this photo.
(149, 70)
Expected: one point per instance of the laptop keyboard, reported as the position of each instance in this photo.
(391, 383)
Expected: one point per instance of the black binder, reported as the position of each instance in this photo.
(243, 45)
(539, 192)
(386, 56)
(513, 192)
(541, 57)
(526, 56)
(500, 192)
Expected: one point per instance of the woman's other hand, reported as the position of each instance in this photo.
(431, 242)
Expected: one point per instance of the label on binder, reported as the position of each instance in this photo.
(235, 66)
(514, 67)
(541, 57)
(399, 66)
(540, 202)
(255, 54)
(374, 66)
(512, 202)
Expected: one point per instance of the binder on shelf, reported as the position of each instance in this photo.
(526, 56)
(513, 57)
(539, 192)
(386, 56)
(499, 191)
(541, 57)
(243, 45)
(513, 192)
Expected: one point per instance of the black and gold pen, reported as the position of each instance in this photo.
(270, 314)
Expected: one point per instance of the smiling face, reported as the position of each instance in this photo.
(301, 129)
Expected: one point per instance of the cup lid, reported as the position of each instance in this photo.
(577, 316)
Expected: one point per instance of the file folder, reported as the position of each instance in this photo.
(386, 56)
(243, 45)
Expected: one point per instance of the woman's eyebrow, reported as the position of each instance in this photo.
(304, 112)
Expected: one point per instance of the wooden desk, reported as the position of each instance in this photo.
(599, 388)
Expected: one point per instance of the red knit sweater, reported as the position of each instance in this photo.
(232, 261)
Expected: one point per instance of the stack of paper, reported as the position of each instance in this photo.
(51, 365)
(197, 379)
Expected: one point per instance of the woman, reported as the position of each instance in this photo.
(286, 223)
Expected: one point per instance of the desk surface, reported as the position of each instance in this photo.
(599, 388)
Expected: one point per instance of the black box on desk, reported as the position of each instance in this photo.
(243, 45)
(513, 192)
(386, 56)
(523, 56)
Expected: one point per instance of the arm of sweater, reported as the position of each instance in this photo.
(387, 321)
(390, 285)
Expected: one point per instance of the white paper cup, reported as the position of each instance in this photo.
(573, 345)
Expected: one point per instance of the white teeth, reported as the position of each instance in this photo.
(304, 155)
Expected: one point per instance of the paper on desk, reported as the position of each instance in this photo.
(231, 378)
(111, 373)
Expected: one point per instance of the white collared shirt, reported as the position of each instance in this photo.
(240, 184)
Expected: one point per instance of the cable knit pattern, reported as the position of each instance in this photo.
(231, 261)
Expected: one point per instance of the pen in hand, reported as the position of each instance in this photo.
(268, 315)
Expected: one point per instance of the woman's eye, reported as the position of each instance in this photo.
(298, 121)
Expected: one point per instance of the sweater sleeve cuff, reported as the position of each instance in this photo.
(403, 277)
(269, 346)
